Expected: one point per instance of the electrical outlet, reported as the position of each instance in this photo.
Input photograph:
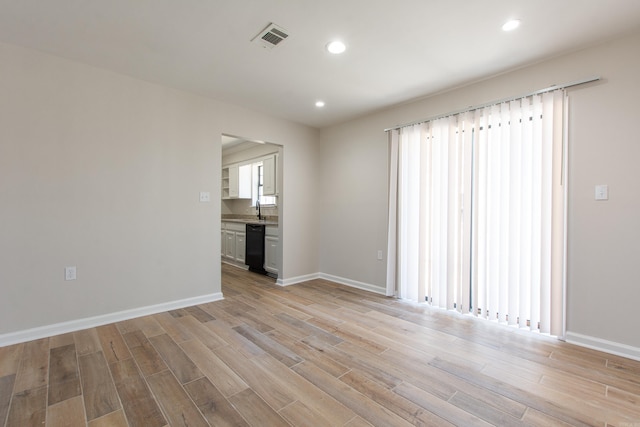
(205, 196)
(70, 273)
(602, 192)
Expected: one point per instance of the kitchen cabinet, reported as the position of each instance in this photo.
(230, 244)
(236, 182)
(234, 245)
(244, 182)
(269, 175)
(240, 246)
(233, 239)
(233, 182)
(271, 243)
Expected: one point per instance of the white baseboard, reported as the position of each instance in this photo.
(354, 284)
(298, 279)
(331, 278)
(91, 322)
(235, 264)
(603, 345)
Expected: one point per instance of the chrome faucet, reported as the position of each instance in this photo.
(258, 209)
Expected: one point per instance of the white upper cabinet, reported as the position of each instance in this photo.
(236, 182)
(233, 182)
(269, 183)
(244, 182)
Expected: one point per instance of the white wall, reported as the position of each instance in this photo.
(353, 200)
(103, 172)
(603, 290)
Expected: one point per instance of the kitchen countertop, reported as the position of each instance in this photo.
(250, 221)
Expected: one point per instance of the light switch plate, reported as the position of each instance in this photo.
(70, 273)
(602, 192)
(205, 196)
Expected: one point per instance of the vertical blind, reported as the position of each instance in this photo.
(476, 212)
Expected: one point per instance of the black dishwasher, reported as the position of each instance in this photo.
(254, 250)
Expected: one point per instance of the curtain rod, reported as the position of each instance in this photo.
(500, 101)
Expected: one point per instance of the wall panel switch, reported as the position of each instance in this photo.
(380, 255)
(205, 196)
(70, 273)
(602, 192)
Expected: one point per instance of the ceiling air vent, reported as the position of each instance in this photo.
(271, 36)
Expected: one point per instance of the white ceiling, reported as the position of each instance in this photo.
(232, 144)
(396, 50)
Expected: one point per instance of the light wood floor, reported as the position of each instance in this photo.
(314, 354)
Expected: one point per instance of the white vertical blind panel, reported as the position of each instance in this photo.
(559, 183)
(475, 220)
(493, 212)
(453, 214)
(402, 213)
(481, 209)
(424, 230)
(505, 181)
(407, 210)
(526, 216)
(439, 201)
(515, 208)
(392, 230)
(411, 235)
(536, 211)
(458, 194)
(434, 221)
(546, 217)
(464, 286)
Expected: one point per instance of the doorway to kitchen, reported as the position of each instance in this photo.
(251, 198)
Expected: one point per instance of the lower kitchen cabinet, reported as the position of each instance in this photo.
(233, 239)
(240, 246)
(271, 253)
(233, 245)
(230, 244)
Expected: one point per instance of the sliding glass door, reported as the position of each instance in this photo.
(477, 212)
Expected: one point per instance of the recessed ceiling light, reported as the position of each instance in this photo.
(336, 47)
(511, 25)
(319, 104)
